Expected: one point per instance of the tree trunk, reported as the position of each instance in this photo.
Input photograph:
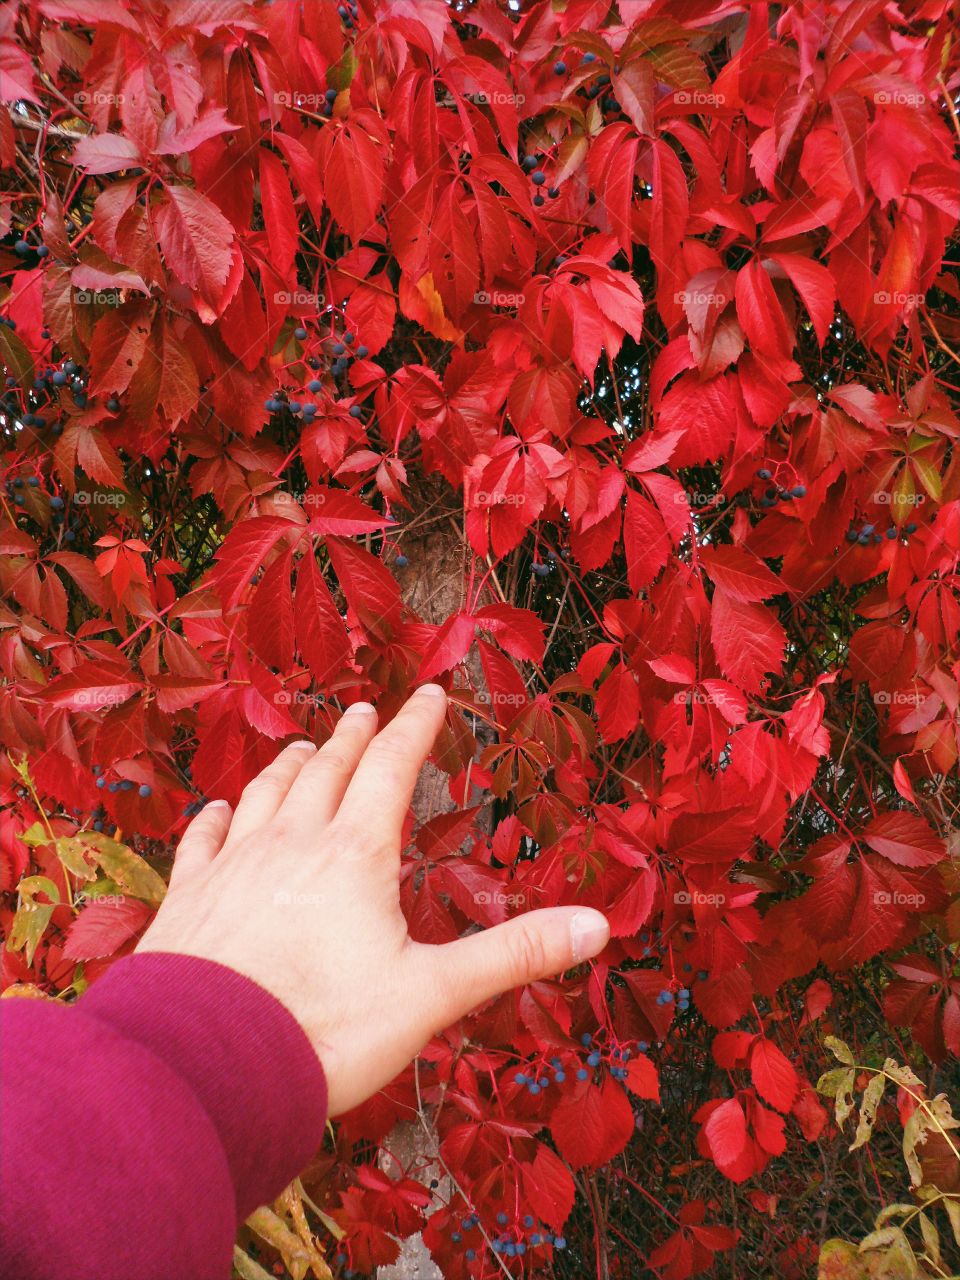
(433, 585)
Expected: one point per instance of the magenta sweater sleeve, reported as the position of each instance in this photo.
(142, 1124)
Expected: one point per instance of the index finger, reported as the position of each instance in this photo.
(379, 793)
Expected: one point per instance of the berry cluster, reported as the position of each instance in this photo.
(867, 533)
(531, 165)
(342, 349)
(778, 492)
(144, 790)
(349, 14)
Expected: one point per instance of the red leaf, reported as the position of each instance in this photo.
(104, 926)
(196, 240)
(642, 1078)
(725, 1132)
(748, 640)
(243, 551)
(904, 838)
(320, 633)
(773, 1075)
(589, 1131)
(744, 577)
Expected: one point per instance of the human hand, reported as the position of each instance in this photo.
(299, 890)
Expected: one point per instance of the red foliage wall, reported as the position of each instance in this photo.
(649, 300)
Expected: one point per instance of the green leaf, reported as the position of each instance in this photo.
(71, 853)
(32, 917)
(868, 1110)
(132, 873)
(831, 1082)
(839, 1049)
(245, 1267)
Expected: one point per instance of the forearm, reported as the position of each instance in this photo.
(141, 1125)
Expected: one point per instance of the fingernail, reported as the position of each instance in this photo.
(589, 934)
(360, 709)
(434, 690)
(302, 745)
(217, 804)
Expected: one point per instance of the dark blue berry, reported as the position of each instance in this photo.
(911, 527)
(533, 1087)
(126, 785)
(520, 1078)
(559, 1242)
(144, 790)
(799, 491)
(560, 68)
(456, 1237)
(56, 502)
(113, 404)
(401, 562)
(589, 57)
(764, 474)
(70, 367)
(294, 406)
(338, 348)
(593, 1059)
(314, 385)
(582, 1073)
(529, 162)
(538, 177)
(42, 252)
(356, 411)
(101, 783)
(470, 1255)
(362, 352)
(502, 1219)
(59, 379)
(553, 193)
(587, 1038)
(21, 248)
(300, 333)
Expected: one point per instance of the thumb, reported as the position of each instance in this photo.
(533, 946)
